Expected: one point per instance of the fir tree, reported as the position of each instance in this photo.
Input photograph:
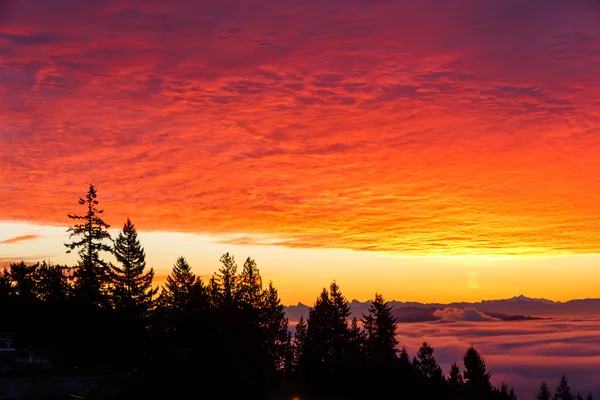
(299, 340)
(275, 324)
(23, 279)
(512, 395)
(544, 392)
(132, 291)
(426, 365)
(52, 283)
(91, 271)
(180, 284)
(455, 382)
(249, 285)
(380, 327)
(341, 335)
(563, 391)
(228, 279)
(477, 379)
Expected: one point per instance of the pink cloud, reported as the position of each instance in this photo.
(520, 353)
(19, 239)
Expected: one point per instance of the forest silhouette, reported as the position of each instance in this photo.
(224, 338)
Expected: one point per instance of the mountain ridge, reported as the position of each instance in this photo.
(517, 306)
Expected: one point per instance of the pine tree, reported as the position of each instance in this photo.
(132, 291)
(504, 391)
(477, 379)
(341, 335)
(23, 279)
(275, 324)
(249, 285)
(512, 395)
(180, 284)
(425, 363)
(380, 327)
(589, 397)
(544, 392)
(228, 279)
(299, 340)
(578, 397)
(455, 382)
(91, 271)
(563, 391)
(52, 283)
(357, 343)
(430, 378)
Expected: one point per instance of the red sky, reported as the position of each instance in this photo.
(413, 127)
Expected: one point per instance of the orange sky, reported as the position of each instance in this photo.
(416, 128)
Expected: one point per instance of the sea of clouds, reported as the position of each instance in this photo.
(520, 353)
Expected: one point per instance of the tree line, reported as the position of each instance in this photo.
(227, 337)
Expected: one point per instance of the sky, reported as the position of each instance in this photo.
(431, 150)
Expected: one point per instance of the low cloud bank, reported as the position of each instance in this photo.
(520, 353)
(457, 314)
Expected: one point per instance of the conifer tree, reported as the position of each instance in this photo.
(563, 391)
(429, 376)
(426, 365)
(504, 391)
(477, 379)
(380, 328)
(299, 340)
(227, 279)
(357, 343)
(23, 278)
(341, 335)
(589, 397)
(132, 291)
(180, 284)
(544, 392)
(275, 324)
(512, 395)
(249, 285)
(52, 283)
(455, 382)
(91, 272)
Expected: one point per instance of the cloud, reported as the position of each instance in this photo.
(407, 127)
(20, 239)
(446, 315)
(522, 353)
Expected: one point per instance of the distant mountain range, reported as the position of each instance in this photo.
(516, 308)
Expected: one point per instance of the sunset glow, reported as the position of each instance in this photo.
(386, 141)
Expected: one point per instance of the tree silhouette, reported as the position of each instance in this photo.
(132, 292)
(380, 327)
(544, 392)
(177, 291)
(227, 280)
(563, 391)
(250, 288)
(91, 272)
(477, 379)
(455, 382)
(299, 341)
(275, 324)
(52, 283)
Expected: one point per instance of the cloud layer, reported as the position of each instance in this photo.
(522, 353)
(419, 127)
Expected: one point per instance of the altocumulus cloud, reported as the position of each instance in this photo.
(383, 126)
